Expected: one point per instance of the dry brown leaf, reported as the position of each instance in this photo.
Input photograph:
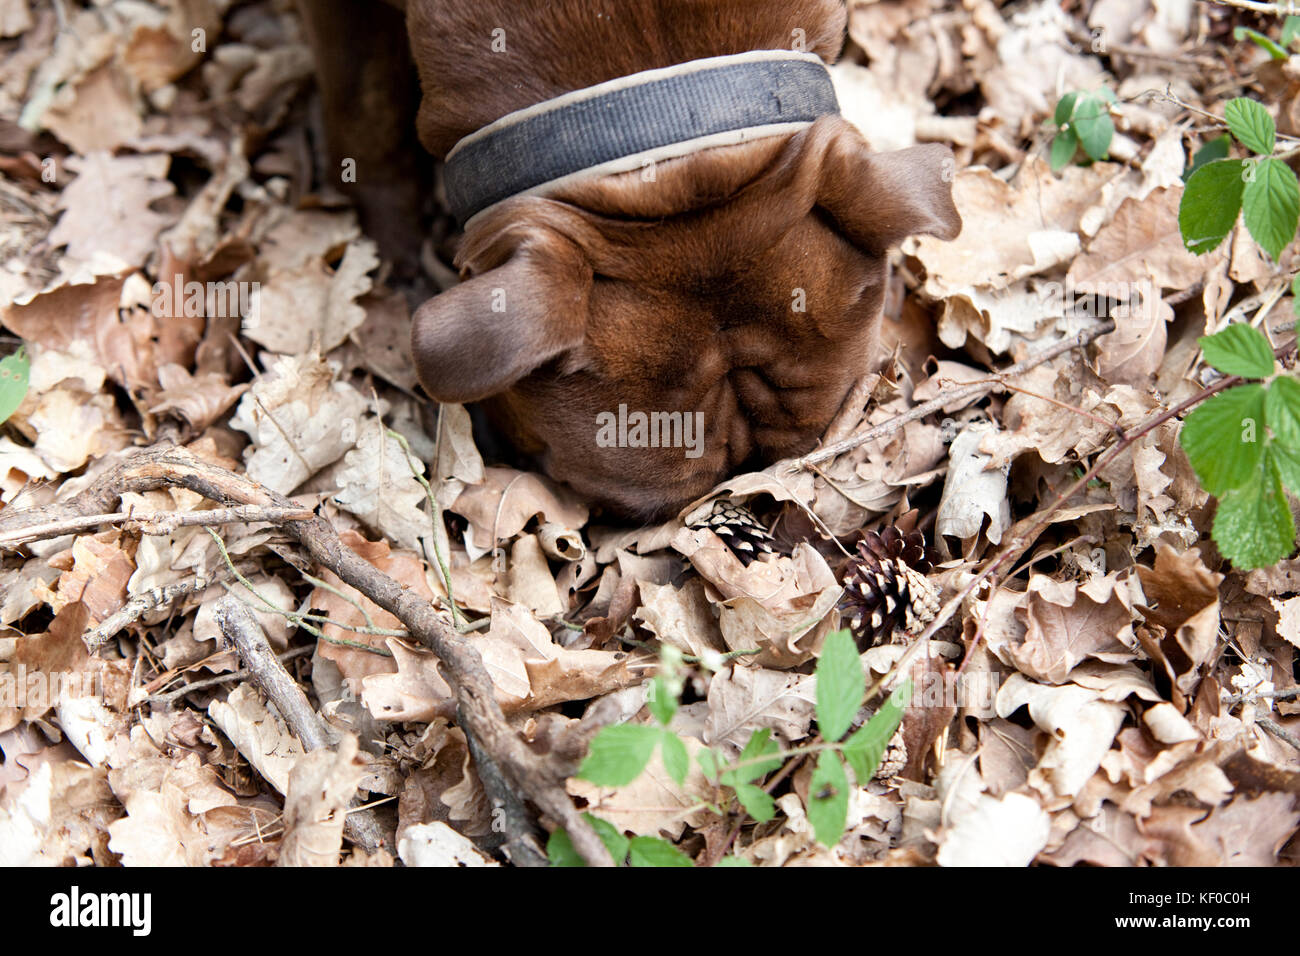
(742, 699)
(108, 209)
(299, 419)
(1066, 623)
(321, 785)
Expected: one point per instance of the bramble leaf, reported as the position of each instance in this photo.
(1239, 350)
(1210, 203)
(1251, 123)
(560, 850)
(760, 744)
(676, 761)
(1253, 527)
(1271, 203)
(1216, 148)
(1224, 438)
(1282, 410)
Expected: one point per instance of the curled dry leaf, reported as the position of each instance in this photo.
(299, 420)
(321, 785)
(779, 606)
(529, 671)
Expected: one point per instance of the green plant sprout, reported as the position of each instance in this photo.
(619, 754)
(1262, 187)
(1244, 444)
(1082, 122)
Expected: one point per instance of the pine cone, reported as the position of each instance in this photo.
(738, 527)
(886, 595)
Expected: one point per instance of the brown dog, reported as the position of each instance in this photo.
(739, 288)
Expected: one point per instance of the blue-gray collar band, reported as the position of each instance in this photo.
(636, 120)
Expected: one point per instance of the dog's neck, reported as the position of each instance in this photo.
(635, 122)
(482, 59)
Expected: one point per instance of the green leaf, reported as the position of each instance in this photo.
(1271, 202)
(1295, 294)
(709, 763)
(1290, 30)
(756, 802)
(676, 760)
(618, 754)
(1250, 123)
(1064, 146)
(14, 378)
(1217, 438)
(1094, 127)
(1253, 527)
(1239, 350)
(1065, 108)
(840, 684)
(867, 745)
(652, 851)
(1288, 465)
(1282, 411)
(828, 799)
(662, 703)
(1246, 33)
(1216, 148)
(760, 744)
(730, 861)
(560, 851)
(1210, 203)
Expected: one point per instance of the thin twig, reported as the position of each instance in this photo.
(950, 397)
(156, 522)
(243, 632)
(210, 682)
(141, 604)
(1276, 7)
(1277, 730)
(535, 777)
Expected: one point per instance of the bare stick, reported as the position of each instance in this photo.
(1278, 731)
(242, 630)
(178, 693)
(949, 397)
(532, 776)
(1275, 7)
(146, 601)
(155, 522)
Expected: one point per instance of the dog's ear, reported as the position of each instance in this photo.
(525, 305)
(879, 199)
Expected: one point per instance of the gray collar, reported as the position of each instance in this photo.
(636, 120)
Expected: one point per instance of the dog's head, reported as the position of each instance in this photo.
(731, 298)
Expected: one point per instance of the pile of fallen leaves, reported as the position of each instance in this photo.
(1124, 698)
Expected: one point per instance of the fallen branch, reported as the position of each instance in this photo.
(242, 631)
(146, 601)
(155, 522)
(949, 397)
(478, 712)
(174, 695)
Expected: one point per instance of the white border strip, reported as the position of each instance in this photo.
(638, 160)
(634, 79)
